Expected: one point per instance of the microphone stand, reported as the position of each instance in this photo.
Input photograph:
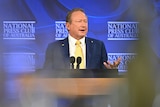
(79, 60)
(72, 61)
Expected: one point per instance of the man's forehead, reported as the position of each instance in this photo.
(79, 17)
(78, 13)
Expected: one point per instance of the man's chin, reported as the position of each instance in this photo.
(82, 36)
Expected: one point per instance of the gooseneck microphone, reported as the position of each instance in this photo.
(79, 60)
(72, 61)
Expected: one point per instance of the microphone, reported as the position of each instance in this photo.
(72, 61)
(79, 60)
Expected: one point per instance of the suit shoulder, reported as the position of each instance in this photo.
(92, 40)
(57, 42)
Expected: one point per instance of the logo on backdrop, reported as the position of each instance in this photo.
(61, 31)
(19, 62)
(122, 30)
(18, 30)
(126, 57)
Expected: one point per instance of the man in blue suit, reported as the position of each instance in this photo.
(95, 56)
(94, 53)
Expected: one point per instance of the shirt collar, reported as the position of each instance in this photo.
(73, 40)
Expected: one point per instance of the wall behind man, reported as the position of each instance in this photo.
(27, 26)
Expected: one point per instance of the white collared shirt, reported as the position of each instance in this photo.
(72, 47)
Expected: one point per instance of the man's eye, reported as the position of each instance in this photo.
(85, 21)
(78, 20)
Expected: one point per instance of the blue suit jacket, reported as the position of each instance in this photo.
(57, 54)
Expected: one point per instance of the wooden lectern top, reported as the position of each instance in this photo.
(69, 86)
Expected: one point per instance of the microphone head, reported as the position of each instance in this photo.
(72, 59)
(79, 60)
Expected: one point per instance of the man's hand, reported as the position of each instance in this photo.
(115, 64)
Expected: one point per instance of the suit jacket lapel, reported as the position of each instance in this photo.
(65, 46)
(65, 50)
(89, 50)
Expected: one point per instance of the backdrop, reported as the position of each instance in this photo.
(28, 26)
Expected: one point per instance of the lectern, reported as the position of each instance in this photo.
(71, 83)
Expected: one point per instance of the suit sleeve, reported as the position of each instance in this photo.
(48, 58)
(104, 55)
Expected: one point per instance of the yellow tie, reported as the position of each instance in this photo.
(79, 53)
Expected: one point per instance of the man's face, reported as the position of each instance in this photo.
(78, 27)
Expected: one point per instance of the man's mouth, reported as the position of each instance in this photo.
(82, 30)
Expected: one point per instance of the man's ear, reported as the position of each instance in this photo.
(67, 25)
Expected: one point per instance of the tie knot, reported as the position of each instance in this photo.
(78, 42)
